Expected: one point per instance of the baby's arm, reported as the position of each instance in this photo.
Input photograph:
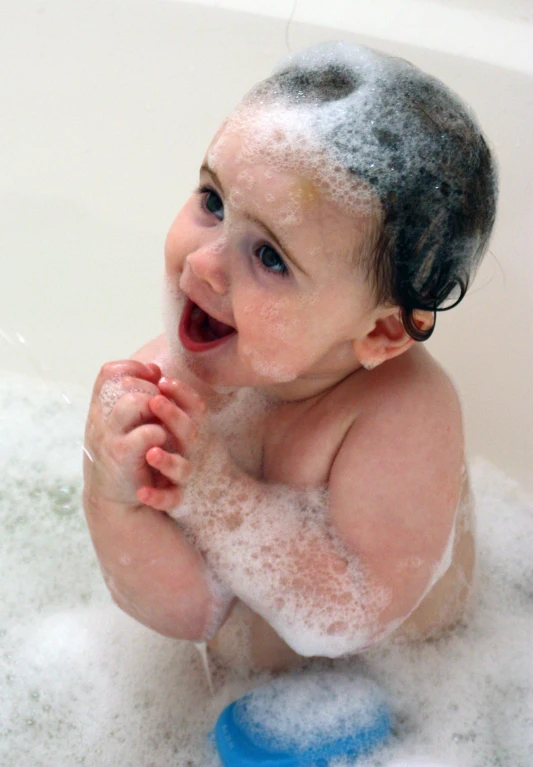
(153, 572)
(332, 570)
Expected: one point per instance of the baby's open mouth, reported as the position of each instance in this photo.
(199, 331)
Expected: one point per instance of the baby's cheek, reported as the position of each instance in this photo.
(182, 237)
(172, 243)
(272, 321)
(270, 341)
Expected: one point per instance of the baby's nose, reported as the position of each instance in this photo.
(209, 265)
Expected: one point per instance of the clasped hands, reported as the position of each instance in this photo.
(142, 436)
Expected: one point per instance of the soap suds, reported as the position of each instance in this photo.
(85, 684)
(385, 141)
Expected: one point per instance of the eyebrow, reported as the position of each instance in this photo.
(266, 229)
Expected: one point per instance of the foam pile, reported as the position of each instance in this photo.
(84, 684)
(268, 714)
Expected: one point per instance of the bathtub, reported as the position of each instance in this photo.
(107, 107)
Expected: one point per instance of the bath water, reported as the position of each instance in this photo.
(83, 684)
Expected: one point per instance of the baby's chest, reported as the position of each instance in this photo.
(292, 444)
(299, 447)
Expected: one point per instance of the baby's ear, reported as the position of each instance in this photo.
(387, 338)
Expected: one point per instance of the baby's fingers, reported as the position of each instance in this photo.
(171, 465)
(131, 450)
(167, 499)
(125, 399)
(179, 424)
(130, 410)
(184, 396)
(119, 368)
(114, 371)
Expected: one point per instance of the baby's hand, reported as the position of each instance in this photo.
(152, 570)
(180, 410)
(120, 426)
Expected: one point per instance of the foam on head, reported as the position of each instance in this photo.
(381, 138)
(284, 137)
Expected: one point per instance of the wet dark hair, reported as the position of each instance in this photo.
(420, 150)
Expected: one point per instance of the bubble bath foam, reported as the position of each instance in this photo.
(83, 683)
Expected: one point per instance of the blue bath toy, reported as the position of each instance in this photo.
(303, 720)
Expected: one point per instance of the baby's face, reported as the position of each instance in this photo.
(261, 277)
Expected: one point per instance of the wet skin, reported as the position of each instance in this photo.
(295, 325)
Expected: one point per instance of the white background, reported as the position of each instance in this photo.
(106, 108)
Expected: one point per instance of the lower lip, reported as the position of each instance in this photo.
(187, 341)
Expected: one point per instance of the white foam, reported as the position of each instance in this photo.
(286, 138)
(84, 684)
(269, 541)
(280, 715)
(265, 550)
(385, 132)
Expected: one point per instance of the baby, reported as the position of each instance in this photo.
(282, 473)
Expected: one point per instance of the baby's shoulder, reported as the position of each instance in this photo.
(407, 424)
(408, 427)
(413, 388)
(402, 458)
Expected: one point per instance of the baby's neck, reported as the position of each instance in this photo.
(306, 388)
(300, 389)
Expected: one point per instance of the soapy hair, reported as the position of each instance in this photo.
(418, 147)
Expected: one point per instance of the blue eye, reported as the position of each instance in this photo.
(269, 260)
(213, 203)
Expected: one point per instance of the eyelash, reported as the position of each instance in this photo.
(203, 191)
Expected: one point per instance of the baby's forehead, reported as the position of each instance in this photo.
(260, 135)
(275, 141)
(285, 190)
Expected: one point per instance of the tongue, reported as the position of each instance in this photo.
(219, 329)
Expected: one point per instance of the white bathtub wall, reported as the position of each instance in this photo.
(105, 110)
